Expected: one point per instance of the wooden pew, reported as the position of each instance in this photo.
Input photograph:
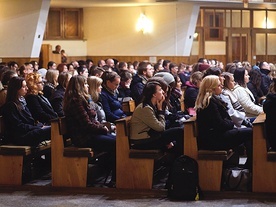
(12, 158)
(209, 162)
(264, 165)
(69, 164)
(128, 107)
(134, 168)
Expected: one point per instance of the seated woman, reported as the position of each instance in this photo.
(192, 91)
(21, 127)
(58, 95)
(254, 85)
(40, 107)
(51, 83)
(109, 95)
(95, 88)
(215, 128)
(5, 78)
(270, 110)
(244, 95)
(124, 87)
(85, 131)
(147, 126)
(176, 95)
(238, 112)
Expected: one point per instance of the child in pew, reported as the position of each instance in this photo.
(270, 110)
(147, 126)
(21, 128)
(215, 128)
(82, 125)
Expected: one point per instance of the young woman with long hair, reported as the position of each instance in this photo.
(21, 127)
(84, 129)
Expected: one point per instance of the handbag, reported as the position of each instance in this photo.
(237, 179)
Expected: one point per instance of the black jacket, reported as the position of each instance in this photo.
(212, 123)
(40, 108)
(270, 110)
(18, 123)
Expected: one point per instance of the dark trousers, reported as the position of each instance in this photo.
(105, 143)
(34, 137)
(235, 137)
(174, 135)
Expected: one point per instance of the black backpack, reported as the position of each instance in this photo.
(182, 181)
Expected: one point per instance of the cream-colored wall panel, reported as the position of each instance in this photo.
(215, 48)
(111, 31)
(71, 47)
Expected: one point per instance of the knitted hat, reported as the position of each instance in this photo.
(203, 67)
(166, 76)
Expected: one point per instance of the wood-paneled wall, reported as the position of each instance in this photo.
(20, 61)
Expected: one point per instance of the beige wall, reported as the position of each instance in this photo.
(22, 26)
(111, 31)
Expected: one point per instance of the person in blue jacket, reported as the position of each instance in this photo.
(109, 95)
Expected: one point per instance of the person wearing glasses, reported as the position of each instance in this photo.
(21, 127)
(40, 107)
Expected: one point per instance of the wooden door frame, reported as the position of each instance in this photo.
(229, 57)
(262, 31)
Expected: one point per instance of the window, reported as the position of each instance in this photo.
(213, 26)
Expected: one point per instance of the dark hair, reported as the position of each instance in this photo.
(255, 77)
(125, 75)
(165, 62)
(165, 87)
(109, 76)
(148, 91)
(239, 76)
(212, 71)
(15, 84)
(63, 79)
(12, 64)
(6, 76)
(172, 65)
(142, 67)
(50, 64)
(81, 69)
(231, 67)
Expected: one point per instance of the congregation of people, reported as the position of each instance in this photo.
(225, 100)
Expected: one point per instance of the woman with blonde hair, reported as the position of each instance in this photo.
(51, 83)
(216, 130)
(95, 88)
(38, 104)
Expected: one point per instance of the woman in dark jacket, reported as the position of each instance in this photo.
(57, 97)
(215, 128)
(85, 131)
(40, 107)
(109, 95)
(270, 110)
(192, 91)
(20, 126)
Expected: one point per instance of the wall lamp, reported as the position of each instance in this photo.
(144, 24)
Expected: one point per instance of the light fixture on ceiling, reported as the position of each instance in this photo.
(144, 24)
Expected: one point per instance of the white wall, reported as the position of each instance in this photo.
(22, 26)
(111, 31)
